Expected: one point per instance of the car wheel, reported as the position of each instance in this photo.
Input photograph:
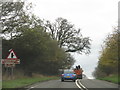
(62, 80)
(73, 80)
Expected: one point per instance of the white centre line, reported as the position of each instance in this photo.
(82, 85)
(77, 84)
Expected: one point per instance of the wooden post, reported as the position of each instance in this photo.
(11, 72)
(6, 71)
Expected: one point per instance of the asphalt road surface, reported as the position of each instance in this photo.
(84, 84)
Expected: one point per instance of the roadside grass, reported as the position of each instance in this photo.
(113, 79)
(0, 84)
(22, 82)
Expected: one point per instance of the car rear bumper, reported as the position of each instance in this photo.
(64, 78)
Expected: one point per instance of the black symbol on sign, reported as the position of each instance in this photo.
(12, 55)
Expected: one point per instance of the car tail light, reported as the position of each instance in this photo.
(62, 74)
(73, 75)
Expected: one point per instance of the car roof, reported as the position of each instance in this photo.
(68, 71)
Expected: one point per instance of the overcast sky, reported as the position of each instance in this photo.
(95, 18)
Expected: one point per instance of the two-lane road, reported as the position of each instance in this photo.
(88, 84)
(55, 84)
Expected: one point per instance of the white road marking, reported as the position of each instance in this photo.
(82, 85)
(32, 87)
(77, 84)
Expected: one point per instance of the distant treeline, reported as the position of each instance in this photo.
(109, 59)
(41, 46)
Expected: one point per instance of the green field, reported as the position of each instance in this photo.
(18, 83)
(113, 79)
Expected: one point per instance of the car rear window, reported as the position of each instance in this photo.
(68, 71)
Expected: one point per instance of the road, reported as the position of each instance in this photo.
(84, 84)
(93, 84)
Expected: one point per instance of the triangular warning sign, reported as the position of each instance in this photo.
(12, 55)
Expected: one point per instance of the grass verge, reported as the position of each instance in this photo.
(17, 83)
(113, 79)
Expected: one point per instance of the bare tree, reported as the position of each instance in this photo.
(67, 36)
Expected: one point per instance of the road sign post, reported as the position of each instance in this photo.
(10, 62)
(12, 72)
